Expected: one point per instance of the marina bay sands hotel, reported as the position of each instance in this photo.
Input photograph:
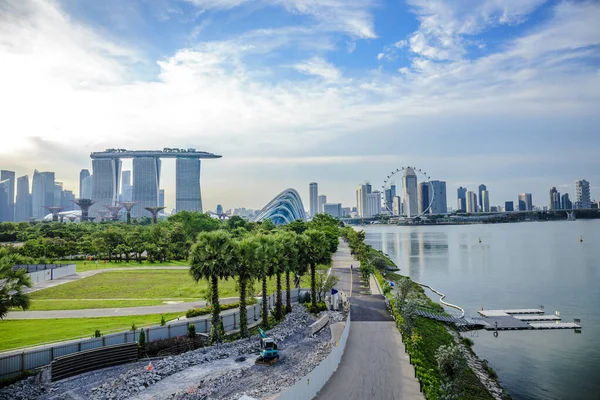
(106, 166)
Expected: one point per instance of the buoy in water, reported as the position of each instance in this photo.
(479, 240)
(580, 239)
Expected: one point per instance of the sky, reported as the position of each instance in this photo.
(339, 92)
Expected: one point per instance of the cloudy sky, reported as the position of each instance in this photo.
(501, 92)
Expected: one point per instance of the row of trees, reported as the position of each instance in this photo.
(261, 255)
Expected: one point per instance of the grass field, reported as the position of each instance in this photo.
(20, 333)
(133, 288)
(85, 265)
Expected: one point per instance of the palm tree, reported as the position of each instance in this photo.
(246, 269)
(317, 252)
(289, 252)
(266, 257)
(213, 256)
(12, 284)
(278, 268)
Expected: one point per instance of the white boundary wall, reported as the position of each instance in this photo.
(51, 274)
(309, 386)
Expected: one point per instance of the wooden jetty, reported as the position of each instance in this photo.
(521, 319)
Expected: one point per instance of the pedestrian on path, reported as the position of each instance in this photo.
(351, 266)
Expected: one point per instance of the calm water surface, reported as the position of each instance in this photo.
(520, 265)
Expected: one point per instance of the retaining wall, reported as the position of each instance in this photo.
(14, 362)
(309, 386)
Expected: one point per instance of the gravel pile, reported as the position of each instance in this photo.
(299, 355)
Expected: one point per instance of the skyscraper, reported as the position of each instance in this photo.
(313, 197)
(161, 197)
(146, 184)
(106, 173)
(333, 209)
(373, 204)
(10, 176)
(409, 188)
(567, 204)
(188, 196)
(87, 186)
(23, 203)
(321, 203)
(126, 188)
(361, 200)
(525, 203)
(423, 197)
(219, 209)
(462, 199)
(582, 194)
(389, 195)
(482, 187)
(509, 206)
(82, 175)
(4, 203)
(439, 205)
(471, 202)
(397, 205)
(485, 201)
(42, 193)
(554, 199)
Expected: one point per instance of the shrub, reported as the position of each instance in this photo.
(386, 288)
(133, 327)
(198, 312)
(321, 306)
(97, 333)
(467, 341)
(191, 331)
(162, 320)
(142, 340)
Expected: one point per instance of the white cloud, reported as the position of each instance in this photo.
(444, 25)
(318, 66)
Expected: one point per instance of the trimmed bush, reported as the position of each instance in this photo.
(198, 312)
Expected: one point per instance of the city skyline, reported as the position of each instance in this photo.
(494, 92)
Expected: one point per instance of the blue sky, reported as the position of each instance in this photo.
(505, 93)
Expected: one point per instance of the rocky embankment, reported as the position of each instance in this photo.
(219, 372)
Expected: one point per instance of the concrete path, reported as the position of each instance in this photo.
(374, 365)
(87, 274)
(113, 312)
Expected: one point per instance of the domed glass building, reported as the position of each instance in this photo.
(284, 208)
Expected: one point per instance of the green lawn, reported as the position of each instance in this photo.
(20, 333)
(133, 288)
(85, 265)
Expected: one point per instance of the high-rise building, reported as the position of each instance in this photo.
(23, 203)
(333, 209)
(439, 205)
(471, 202)
(87, 186)
(187, 185)
(4, 200)
(554, 199)
(106, 173)
(58, 194)
(389, 195)
(161, 197)
(373, 204)
(567, 204)
(321, 203)
(346, 211)
(482, 187)
(485, 201)
(84, 173)
(409, 188)
(397, 206)
(525, 203)
(509, 206)
(462, 199)
(42, 193)
(146, 184)
(313, 197)
(423, 197)
(219, 209)
(582, 194)
(126, 188)
(361, 199)
(67, 199)
(10, 176)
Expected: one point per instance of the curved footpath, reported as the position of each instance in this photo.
(374, 365)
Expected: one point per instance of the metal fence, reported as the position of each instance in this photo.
(39, 267)
(14, 362)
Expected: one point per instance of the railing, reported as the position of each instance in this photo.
(14, 362)
(38, 267)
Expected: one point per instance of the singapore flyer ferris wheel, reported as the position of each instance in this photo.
(417, 193)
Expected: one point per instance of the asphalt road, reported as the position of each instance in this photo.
(374, 365)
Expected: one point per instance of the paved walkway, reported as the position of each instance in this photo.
(374, 365)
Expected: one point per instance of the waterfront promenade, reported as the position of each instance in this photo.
(374, 365)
